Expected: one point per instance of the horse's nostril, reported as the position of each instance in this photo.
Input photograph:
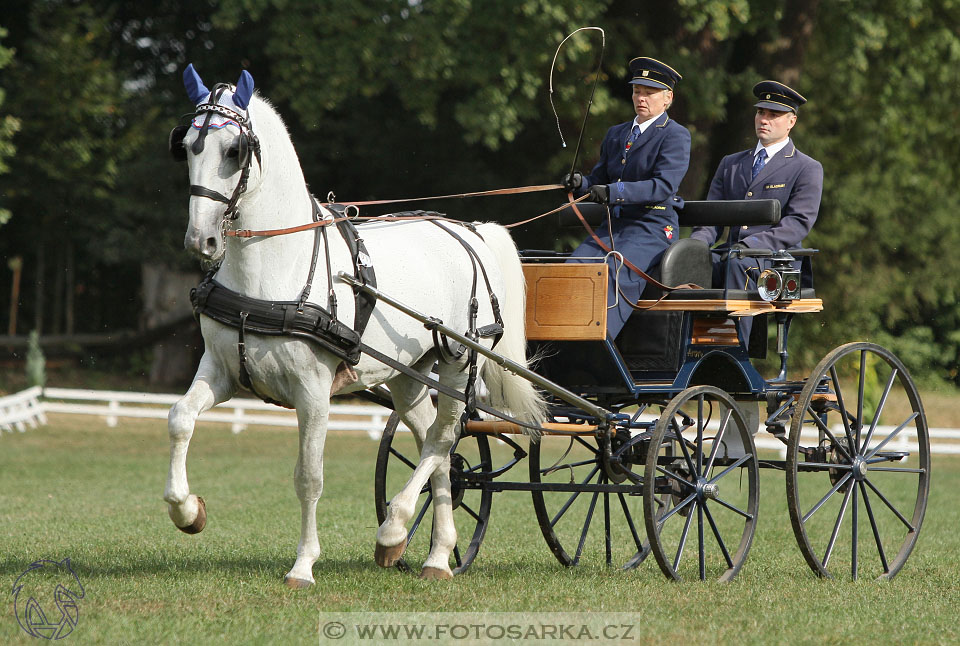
(210, 245)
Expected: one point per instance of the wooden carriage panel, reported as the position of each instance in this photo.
(566, 302)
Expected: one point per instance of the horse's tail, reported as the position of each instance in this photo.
(510, 392)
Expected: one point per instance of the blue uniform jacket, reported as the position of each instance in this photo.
(643, 195)
(791, 177)
(644, 180)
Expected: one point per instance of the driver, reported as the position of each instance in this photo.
(641, 164)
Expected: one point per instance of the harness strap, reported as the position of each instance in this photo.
(244, 373)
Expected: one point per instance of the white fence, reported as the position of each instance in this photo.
(28, 409)
(239, 412)
(21, 410)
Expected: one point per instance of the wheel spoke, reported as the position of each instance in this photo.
(716, 533)
(608, 552)
(402, 458)
(683, 541)
(863, 376)
(876, 530)
(420, 515)
(892, 435)
(683, 503)
(701, 557)
(456, 556)
(843, 409)
(730, 468)
(586, 527)
(735, 510)
(633, 528)
(836, 528)
(854, 517)
(890, 505)
(573, 497)
(718, 440)
(699, 434)
(830, 493)
(895, 469)
(876, 415)
(683, 447)
(464, 506)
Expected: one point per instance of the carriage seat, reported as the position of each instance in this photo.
(690, 261)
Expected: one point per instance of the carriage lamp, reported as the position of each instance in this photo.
(781, 282)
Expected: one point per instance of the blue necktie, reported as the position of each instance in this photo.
(758, 164)
(633, 137)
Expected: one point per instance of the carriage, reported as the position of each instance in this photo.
(648, 443)
(666, 461)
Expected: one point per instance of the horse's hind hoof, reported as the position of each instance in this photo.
(435, 574)
(388, 556)
(296, 584)
(199, 522)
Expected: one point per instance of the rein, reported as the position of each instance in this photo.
(266, 233)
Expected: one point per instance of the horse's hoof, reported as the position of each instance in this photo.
(296, 584)
(199, 522)
(388, 556)
(435, 574)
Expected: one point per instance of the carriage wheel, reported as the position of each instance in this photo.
(398, 457)
(858, 443)
(566, 518)
(702, 455)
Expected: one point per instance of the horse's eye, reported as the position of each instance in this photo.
(233, 152)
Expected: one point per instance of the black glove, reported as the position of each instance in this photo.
(600, 193)
(572, 181)
(736, 246)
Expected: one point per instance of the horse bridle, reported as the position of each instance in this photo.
(248, 143)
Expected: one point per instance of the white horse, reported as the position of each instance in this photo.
(417, 263)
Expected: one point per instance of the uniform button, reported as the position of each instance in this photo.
(623, 161)
(749, 193)
(744, 227)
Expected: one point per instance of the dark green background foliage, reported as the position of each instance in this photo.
(403, 98)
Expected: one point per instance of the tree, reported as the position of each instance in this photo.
(8, 126)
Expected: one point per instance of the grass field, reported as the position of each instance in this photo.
(78, 489)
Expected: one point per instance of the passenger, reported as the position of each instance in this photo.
(640, 168)
(773, 169)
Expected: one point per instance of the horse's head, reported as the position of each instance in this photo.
(220, 148)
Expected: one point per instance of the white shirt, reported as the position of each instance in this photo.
(772, 149)
(645, 124)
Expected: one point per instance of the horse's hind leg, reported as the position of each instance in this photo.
(435, 466)
(210, 387)
(412, 402)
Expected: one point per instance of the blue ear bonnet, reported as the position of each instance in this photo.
(197, 91)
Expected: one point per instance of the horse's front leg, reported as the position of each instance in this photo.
(209, 388)
(308, 482)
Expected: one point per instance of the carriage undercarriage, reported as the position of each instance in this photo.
(662, 460)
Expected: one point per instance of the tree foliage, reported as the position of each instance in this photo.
(396, 98)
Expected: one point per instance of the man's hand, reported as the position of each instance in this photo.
(734, 248)
(600, 193)
(572, 181)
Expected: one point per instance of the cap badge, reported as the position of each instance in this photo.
(646, 73)
(768, 96)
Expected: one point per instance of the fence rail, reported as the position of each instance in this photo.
(28, 409)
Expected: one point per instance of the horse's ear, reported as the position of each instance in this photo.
(196, 90)
(241, 97)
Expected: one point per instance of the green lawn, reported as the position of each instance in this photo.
(78, 489)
